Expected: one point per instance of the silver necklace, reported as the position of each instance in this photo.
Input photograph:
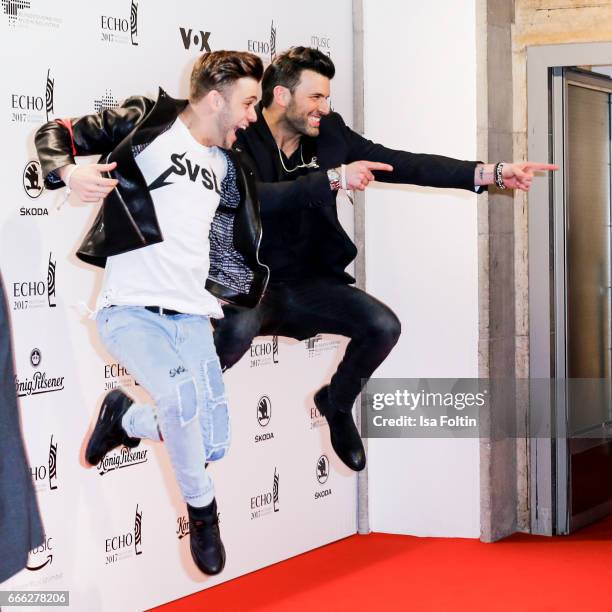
(311, 164)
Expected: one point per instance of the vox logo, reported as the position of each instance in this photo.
(198, 39)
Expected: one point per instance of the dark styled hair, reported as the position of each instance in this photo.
(287, 68)
(219, 69)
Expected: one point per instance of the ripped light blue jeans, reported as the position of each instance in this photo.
(174, 359)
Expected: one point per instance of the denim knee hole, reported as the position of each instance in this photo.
(187, 401)
(214, 379)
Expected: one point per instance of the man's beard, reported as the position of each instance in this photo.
(299, 123)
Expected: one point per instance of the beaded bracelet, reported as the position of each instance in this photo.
(499, 179)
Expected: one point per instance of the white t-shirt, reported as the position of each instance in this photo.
(184, 180)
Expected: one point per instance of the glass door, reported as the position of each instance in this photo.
(580, 111)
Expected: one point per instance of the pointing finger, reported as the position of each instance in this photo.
(539, 167)
(378, 166)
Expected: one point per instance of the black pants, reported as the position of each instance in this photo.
(303, 309)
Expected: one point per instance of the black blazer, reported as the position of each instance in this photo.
(299, 202)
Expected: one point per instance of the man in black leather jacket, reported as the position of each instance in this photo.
(302, 154)
(178, 228)
(126, 220)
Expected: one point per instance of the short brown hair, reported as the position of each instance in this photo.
(219, 69)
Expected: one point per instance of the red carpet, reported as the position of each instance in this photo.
(385, 572)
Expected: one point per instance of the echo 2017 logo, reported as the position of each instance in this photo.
(264, 352)
(127, 544)
(264, 48)
(45, 476)
(120, 30)
(268, 501)
(32, 108)
(36, 293)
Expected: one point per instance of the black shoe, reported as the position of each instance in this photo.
(205, 542)
(108, 432)
(345, 438)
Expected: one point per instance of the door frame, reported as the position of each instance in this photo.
(546, 454)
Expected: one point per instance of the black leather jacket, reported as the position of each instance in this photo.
(127, 220)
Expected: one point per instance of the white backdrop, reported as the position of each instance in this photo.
(114, 533)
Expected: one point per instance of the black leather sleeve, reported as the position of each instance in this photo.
(95, 134)
(410, 168)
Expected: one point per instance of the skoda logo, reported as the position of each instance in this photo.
(35, 358)
(33, 179)
(264, 410)
(322, 469)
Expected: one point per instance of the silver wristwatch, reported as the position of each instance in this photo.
(335, 180)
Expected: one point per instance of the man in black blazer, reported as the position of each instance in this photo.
(301, 154)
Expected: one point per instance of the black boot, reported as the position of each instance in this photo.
(205, 542)
(345, 438)
(108, 432)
